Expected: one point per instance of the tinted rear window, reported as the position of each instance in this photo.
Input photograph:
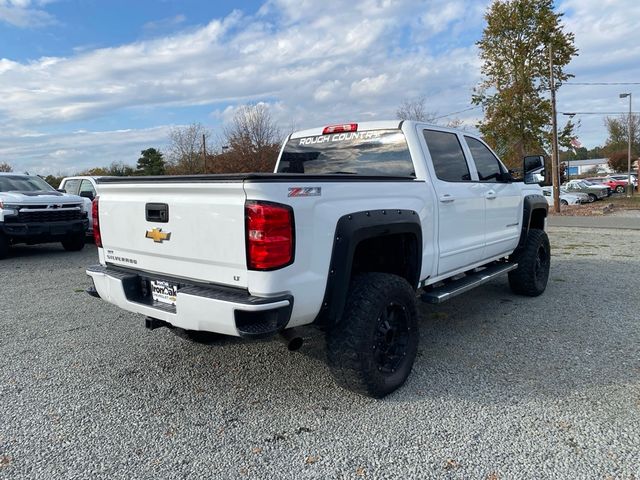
(370, 152)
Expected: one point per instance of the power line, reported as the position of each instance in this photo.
(598, 113)
(455, 113)
(601, 83)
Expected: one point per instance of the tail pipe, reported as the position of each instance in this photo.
(292, 339)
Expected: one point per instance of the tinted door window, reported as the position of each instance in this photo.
(488, 166)
(447, 156)
(72, 186)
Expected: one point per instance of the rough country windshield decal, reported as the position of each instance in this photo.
(370, 152)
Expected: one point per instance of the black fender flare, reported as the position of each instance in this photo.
(531, 204)
(352, 229)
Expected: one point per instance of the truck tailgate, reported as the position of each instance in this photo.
(202, 238)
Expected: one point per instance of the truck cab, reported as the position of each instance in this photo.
(84, 186)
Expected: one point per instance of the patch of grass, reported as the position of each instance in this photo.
(622, 201)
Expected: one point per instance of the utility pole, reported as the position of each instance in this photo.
(204, 152)
(629, 184)
(555, 170)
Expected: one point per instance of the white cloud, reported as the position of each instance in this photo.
(436, 19)
(69, 153)
(292, 54)
(25, 13)
(605, 32)
(165, 23)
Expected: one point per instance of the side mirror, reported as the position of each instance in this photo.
(533, 167)
(88, 195)
(61, 190)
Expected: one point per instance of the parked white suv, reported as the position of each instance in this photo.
(565, 197)
(355, 219)
(31, 211)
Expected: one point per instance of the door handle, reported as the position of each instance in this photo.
(490, 195)
(446, 198)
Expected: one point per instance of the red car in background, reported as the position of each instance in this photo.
(618, 186)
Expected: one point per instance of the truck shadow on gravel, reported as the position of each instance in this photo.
(502, 348)
(46, 250)
(487, 346)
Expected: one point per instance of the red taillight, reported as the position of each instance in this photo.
(95, 213)
(269, 235)
(345, 127)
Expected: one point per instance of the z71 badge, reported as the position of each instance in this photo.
(305, 191)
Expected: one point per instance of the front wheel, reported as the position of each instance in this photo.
(534, 262)
(564, 202)
(372, 349)
(620, 189)
(73, 243)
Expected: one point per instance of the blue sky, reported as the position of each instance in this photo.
(88, 82)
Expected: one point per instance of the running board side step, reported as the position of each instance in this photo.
(466, 283)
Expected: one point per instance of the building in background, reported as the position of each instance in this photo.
(593, 166)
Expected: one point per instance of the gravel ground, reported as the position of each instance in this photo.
(503, 387)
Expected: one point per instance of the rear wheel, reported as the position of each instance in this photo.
(620, 189)
(592, 198)
(4, 246)
(534, 262)
(564, 202)
(74, 243)
(372, 350)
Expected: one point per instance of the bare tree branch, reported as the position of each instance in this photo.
(185, 151)
(415, 109)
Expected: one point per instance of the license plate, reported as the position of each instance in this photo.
(164, 292)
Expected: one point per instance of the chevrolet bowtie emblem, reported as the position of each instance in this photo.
(157, 235)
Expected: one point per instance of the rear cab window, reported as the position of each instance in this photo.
(368, 152)
(71, 186)
(86, 186)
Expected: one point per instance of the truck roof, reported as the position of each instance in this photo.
(377, 125)
(374, 125)
(16, 174)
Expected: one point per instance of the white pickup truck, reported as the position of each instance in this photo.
(355, 220)
(32, 211)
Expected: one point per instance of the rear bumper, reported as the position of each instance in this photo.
(46, 231)
(207, 308)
